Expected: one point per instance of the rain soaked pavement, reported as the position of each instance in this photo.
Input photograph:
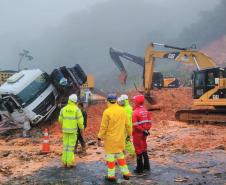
(199, 168)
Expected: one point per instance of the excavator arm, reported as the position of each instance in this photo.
(183, 55)
(116, 57)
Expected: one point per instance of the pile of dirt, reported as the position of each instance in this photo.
(169, 101)
(94, 113)
(173, 137)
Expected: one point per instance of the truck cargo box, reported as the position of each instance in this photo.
(68, 80)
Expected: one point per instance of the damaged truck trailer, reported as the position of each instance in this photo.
(33, 95)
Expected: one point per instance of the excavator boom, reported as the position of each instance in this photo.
(182, 55)
(116, 55)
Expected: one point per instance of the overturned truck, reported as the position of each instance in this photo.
(33, 95)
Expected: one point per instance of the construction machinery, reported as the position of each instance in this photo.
(171, 82)
(89, 84)
(208, 82)
(116, 55)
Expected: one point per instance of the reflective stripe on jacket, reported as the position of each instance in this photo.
(71, 118)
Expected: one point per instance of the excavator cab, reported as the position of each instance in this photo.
(205, 80)
(157, 81)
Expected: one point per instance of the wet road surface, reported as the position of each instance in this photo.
(199, 168)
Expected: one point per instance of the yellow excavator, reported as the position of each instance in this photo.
(208, 82)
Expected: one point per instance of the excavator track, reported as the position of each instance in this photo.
(201, 115)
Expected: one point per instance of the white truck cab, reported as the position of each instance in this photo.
(28, 95)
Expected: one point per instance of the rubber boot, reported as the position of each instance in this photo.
(140, 165)
(110, 179)
(146, 161)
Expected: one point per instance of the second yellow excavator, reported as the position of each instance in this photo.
(170, 82)
(208, 82)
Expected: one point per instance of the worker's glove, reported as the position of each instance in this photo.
(146, 133)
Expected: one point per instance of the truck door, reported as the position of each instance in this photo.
(16, 112)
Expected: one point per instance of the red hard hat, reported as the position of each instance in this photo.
(139, 99)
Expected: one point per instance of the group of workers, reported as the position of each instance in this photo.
(120, 123)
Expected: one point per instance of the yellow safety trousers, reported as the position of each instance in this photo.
(69, 141)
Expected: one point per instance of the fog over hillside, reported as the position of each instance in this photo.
(66, 32)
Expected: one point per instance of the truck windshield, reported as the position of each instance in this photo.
(33, 90)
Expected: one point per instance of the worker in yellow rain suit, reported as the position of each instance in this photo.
(114, 125)
(71, 119)
(123, 101)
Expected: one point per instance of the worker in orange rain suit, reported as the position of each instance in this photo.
(114, 126)
(123, 101)
(141, 125)
(71, 119)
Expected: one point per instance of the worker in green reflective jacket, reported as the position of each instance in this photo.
(123, 100)
(70, 119)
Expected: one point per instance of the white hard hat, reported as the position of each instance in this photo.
(119, 99)
(73, 97)
(124, 97)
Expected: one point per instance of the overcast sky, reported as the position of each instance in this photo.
(22, 21)
(37, 14)
(64, 32)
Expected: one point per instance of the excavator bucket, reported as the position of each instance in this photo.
(151, 103)
(149, 98)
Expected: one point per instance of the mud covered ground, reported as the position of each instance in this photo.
(184, 170)
(180, 153)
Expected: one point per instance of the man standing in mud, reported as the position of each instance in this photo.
(141, 125)
(71, 119)
(123, 101)
(114, 125)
